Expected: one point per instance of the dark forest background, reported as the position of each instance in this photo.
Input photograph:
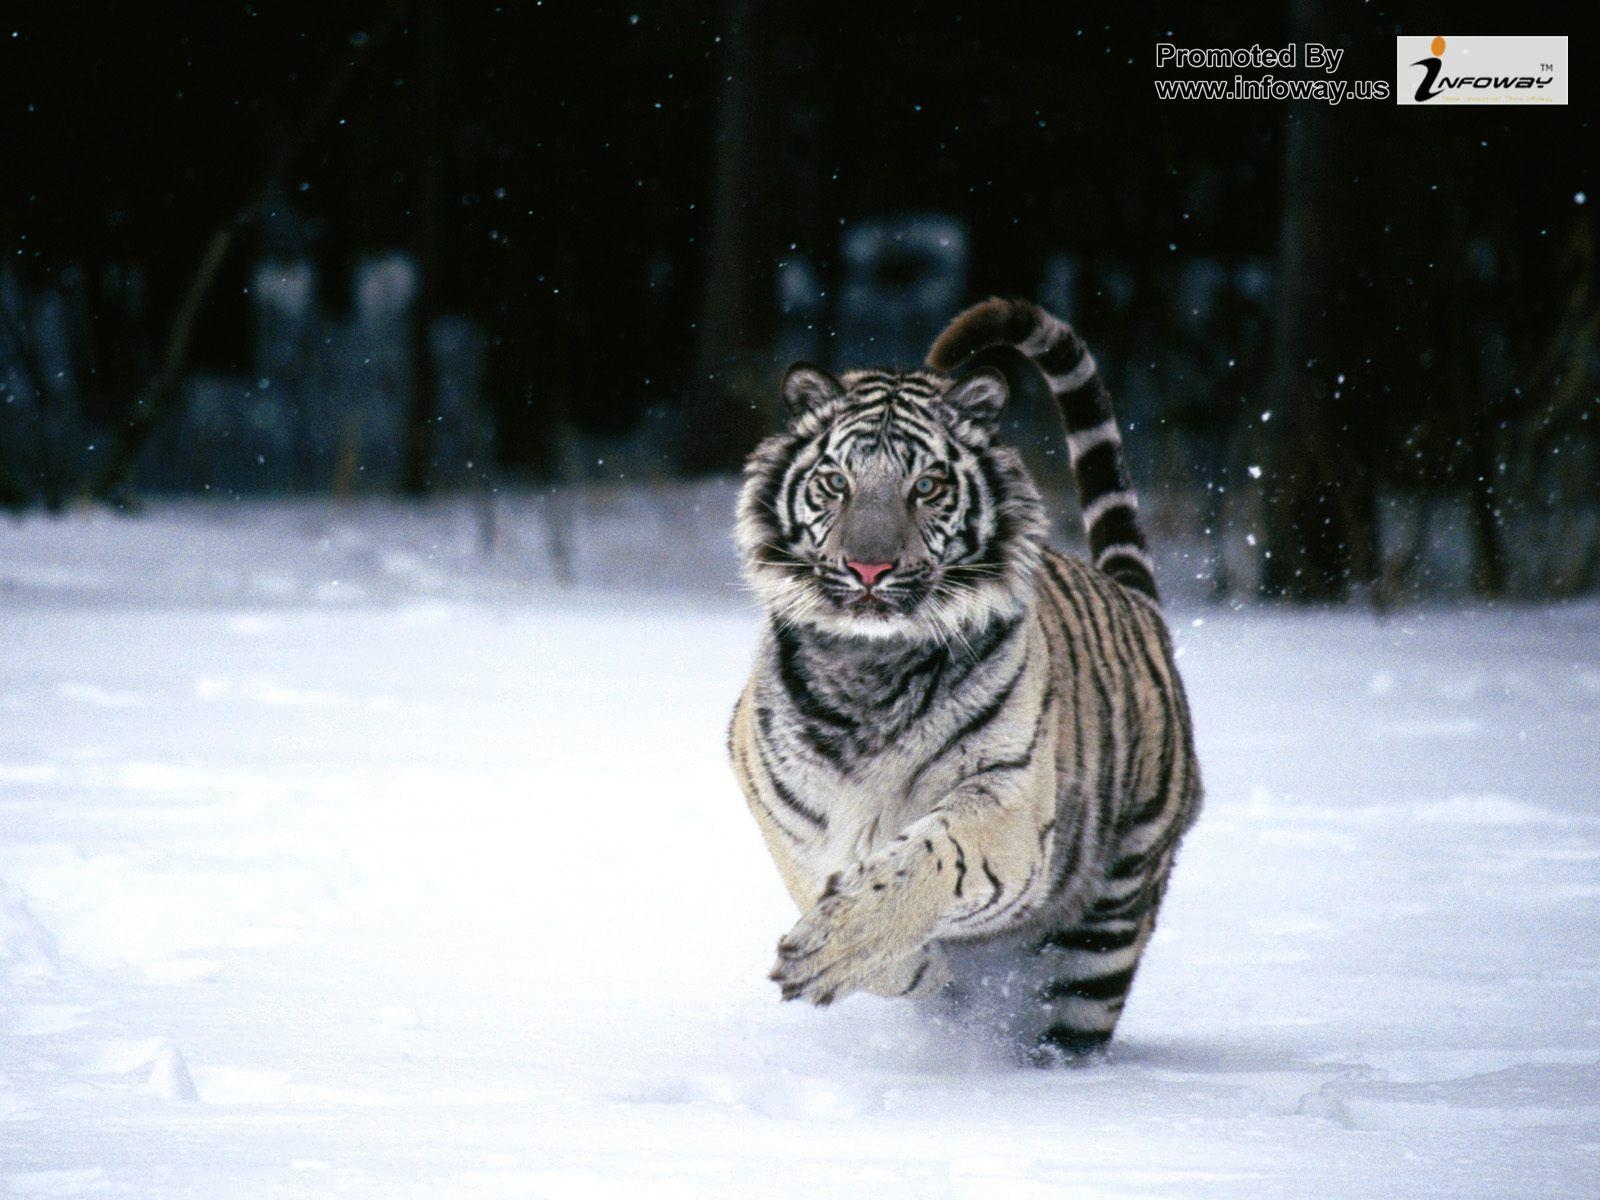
(412, 246)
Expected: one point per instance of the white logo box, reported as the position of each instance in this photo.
(1445, 70)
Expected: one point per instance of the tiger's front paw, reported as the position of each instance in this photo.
(915, 977)
(866, 932)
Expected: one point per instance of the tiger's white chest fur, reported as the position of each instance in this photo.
(868, 801)
(865, 808)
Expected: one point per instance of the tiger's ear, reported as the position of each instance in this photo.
(807, 388)
(978, 396)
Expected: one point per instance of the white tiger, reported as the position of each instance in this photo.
(969, 754)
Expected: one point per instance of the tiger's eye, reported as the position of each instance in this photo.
(835, 482)
(926, 486)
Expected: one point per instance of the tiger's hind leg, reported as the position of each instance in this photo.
(1055, 997)
(1087, 964)
(1046, 999)
(1084, 972)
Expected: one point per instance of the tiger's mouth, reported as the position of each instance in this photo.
(874, 606)
(869, 604)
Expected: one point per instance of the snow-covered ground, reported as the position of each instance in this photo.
(332, 864)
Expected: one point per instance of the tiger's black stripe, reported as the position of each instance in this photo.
(1099, 987)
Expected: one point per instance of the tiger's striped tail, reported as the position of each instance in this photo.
(1099, 469)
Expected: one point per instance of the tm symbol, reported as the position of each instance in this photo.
(1547, 66)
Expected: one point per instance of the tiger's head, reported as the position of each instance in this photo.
(888, 508)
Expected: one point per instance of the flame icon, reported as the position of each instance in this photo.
(1437, 47)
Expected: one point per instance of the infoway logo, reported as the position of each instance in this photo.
(1481, 70)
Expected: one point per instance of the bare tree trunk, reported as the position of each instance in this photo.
(1489, 560)
(1320, 501)
(13, 495)
(1557, 387)
(1298, 511)
(561, 502)
(160, 396)
(422, 403)
(48, 472)
(482, 469)
(731, 341)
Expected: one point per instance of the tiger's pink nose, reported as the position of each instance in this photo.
(868, 572)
